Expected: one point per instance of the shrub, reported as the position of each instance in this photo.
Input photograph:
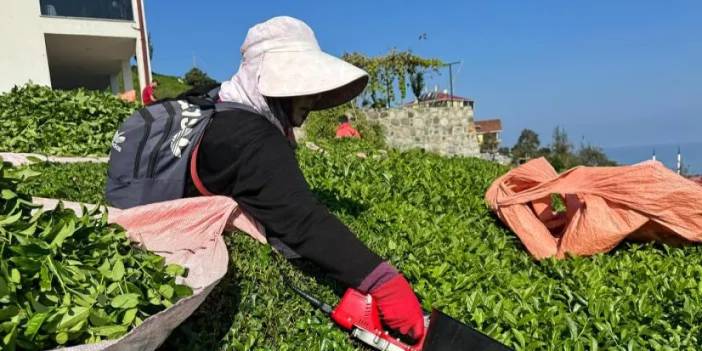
(321, 125)
(426, 214)
(68, 280)
(38, 119)
(83, 182)
(196, 78)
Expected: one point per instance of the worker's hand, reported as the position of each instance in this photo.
(399, 307)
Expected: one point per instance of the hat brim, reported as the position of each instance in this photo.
(299, 73)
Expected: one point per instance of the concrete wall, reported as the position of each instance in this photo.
(87, 26)
(444, 130)
(23, 46)
(23, 56)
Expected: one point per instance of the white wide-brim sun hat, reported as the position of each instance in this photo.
(292, 64)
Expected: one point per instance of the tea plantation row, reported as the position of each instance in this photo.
(426, 214)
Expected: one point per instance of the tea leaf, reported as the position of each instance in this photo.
(125, 301)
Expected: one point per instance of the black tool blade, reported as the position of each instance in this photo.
(448, 334)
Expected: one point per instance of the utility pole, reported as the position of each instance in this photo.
(450, 67)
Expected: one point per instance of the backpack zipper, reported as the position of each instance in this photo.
(151, 170)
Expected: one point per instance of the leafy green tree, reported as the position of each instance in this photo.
(591, 155)
(561, 156)
(384, 71)
(151, 47)
(198, 79)
(560, 153)
(527, 146)
(543, 152)
(561, 145)
(417, 83)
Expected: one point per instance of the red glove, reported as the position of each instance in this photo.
(399, 307)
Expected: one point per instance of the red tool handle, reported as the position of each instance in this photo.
(358, 312)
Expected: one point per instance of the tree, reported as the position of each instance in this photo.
(561, 157)
(544, 152)
(198, 79)
(527, 146)
(685, 171)
(151, 47)
(384, 71)
(417, 83)
(590, 155)
(560, 152)
(561, 145)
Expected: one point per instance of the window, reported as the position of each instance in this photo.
(107, 9)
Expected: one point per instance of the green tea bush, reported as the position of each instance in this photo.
(68, 280)
(321, 125)
(38, 119)
(87, 181)
(426, 214)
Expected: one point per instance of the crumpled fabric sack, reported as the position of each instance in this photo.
(187, 232)
(604, 206)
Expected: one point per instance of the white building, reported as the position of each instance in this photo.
(73, 43)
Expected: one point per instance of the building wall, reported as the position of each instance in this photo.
(444, 130)
(87, 26)
(22, 29)
(23, 55)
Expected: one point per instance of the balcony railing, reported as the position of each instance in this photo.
(101, 9)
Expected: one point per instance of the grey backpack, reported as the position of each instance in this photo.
(151, 150)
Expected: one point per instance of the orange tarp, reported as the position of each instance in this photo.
(604, 206)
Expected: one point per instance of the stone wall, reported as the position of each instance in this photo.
(444, 130)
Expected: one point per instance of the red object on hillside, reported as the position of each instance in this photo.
(345, 130)
(697, 179)
(147, 95)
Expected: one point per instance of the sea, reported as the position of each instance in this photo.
(665, 153)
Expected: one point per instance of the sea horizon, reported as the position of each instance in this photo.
(665, 152)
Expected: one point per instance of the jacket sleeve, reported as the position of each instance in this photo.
(244, 156)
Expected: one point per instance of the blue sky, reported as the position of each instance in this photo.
(612, 72)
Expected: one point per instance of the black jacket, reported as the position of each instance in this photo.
(244, 156)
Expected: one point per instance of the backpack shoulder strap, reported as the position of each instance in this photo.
(228, 106)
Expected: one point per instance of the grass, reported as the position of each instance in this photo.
(168, 86)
